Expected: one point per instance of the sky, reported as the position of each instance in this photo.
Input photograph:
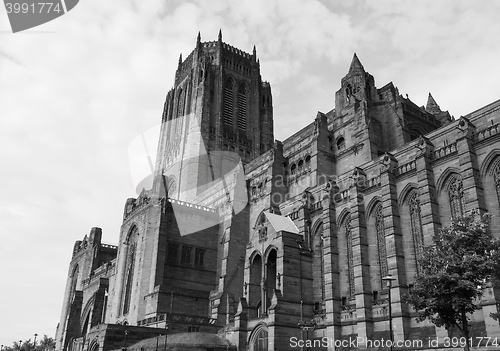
(77, 91)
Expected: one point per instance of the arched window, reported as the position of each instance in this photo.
(416, 224)
(496, 177)
(348, 92)
(229, 102)
(455, 191)
(350, 255)
(255, 286)
(382, 250)
(271, 272)
(308, 161)
(131, 245)
(180, 102)
(317, 261)
(293, 169)
(242, 107)
(340, 143)
(301, 165)
(260, 341)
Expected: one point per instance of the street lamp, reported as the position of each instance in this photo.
(166, 335)
(124, 348)
(34, 342)
(389, 280)
(304, 325)
(20, 344)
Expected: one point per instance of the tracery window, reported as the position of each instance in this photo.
(350, 256)
(382, 250)
(180, 103)
(242, 108)
(229, 102)
(129, 270)
(318, 270)
(416, 224)
(496, 177)
(456, 196)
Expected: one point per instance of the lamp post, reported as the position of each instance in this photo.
(124, 348)
(20, 345)
(166, 335)
(34, 342)
(389, 279)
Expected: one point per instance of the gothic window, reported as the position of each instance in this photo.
(129, 269)
(242, 108)
(416, 224)
(228, 102)
(348, 92)
(186, 255)
(340, 143)
(171, 186)
(180, 103)
(301, 165)
(318, 270)
(308, 161)
(496, 177)
(199, 256)
(350, 255)
(260, 341)
(382, 250)
(456, 196)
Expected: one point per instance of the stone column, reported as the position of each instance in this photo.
(473, 189)
(331, 263)
(429, 207)
(474, 199)
(394, 245)
(361, 262)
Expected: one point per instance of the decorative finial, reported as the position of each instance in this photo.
(199, 38)
(220, 35)
(254, 50)
(180, 59)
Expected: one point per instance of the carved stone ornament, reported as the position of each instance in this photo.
(423, 148)
(387, 164)
(466, 127)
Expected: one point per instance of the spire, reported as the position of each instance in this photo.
(356, 64)
(432, 106)
(180, 59)
(198, 39)
(254, 51)
(220, 35)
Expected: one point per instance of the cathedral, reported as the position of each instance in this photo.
(243, 242)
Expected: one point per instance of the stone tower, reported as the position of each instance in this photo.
(218, 103)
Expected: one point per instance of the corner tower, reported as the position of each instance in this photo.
(218, 103)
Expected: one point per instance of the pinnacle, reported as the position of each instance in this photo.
(432, 106)
(356, 64)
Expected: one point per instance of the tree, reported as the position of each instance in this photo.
(46, 344)
(454, 272)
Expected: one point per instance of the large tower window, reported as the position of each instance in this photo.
(131, 247)
(242, 107)
(228, 102)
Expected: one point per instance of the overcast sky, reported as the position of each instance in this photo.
(75, 92)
